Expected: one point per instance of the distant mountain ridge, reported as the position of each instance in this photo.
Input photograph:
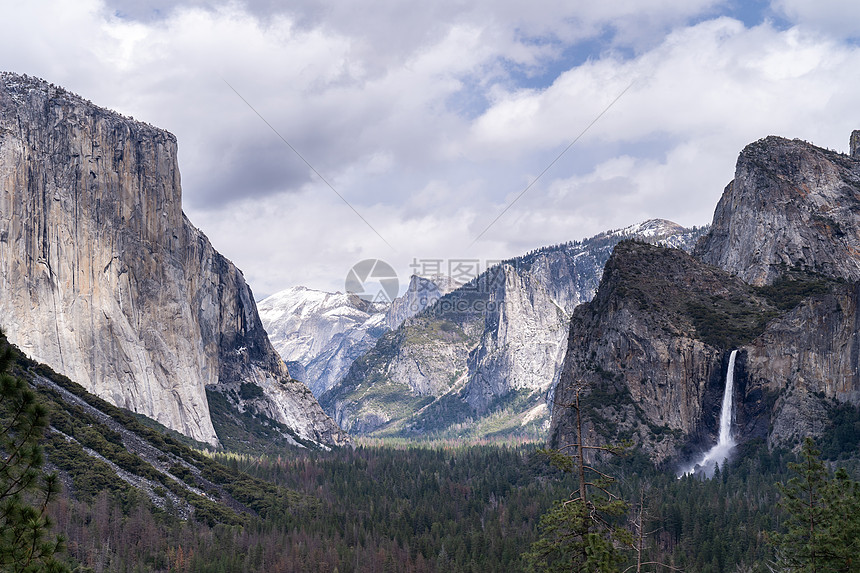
(304, 324)
(320, 334)
(483, 358)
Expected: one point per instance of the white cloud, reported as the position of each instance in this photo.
(830, 17)
(703, 94)
(418, 115)
(713, 77)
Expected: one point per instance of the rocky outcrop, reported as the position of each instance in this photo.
(321, 332)
(420, 293)
(404, 372)
(791, 217)
(495, 344)
(791, 205)
(806, 357)
(521, 345)
(105, 280)
(649, 353)
(647, 360)
(854, 144)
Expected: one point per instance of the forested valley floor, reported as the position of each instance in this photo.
(387, 506)
(416, 509)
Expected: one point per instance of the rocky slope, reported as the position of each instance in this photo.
(421, 293)
(105, 280)
(483, 358)
(98, 449)
(774, 279)
(808, 359)
(320, 334)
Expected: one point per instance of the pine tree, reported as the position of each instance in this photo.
(822, 527)
(577, 534)
(25, 544)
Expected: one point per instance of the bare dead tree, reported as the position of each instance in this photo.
(640, 535)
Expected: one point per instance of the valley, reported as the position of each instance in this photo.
(683, 381)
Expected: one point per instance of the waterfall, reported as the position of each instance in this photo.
(725, 443)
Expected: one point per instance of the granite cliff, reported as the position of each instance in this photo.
(775, 278)
(808, 360)
(648, 353)
(105, 280)
(790, 205)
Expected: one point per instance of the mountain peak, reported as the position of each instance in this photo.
(22, 90)
(790, 205)
(650, 229)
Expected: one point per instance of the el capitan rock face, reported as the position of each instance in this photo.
(105, 280)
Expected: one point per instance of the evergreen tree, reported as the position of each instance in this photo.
(578, 534)
(25, 544)
(573, 538)
(822, 526)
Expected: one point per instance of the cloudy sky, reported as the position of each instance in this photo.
(424, 121)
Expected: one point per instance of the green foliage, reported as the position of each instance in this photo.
(722, 311)
(156, 433)
(684, 297)
(249, 391)
(451, 417)
(150, 430)
(243, 431)
(412, 510)
(211, 513)
(90, 476)
(571, 541)
(451, 509)
(822, 518)
(26, 544)
(183, 473)
(728, 323)
(794, 286)
(93, 479)
(447, 411)
(843, 438)
(580, 534)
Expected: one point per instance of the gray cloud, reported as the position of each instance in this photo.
(247, 170)
(430, 117)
